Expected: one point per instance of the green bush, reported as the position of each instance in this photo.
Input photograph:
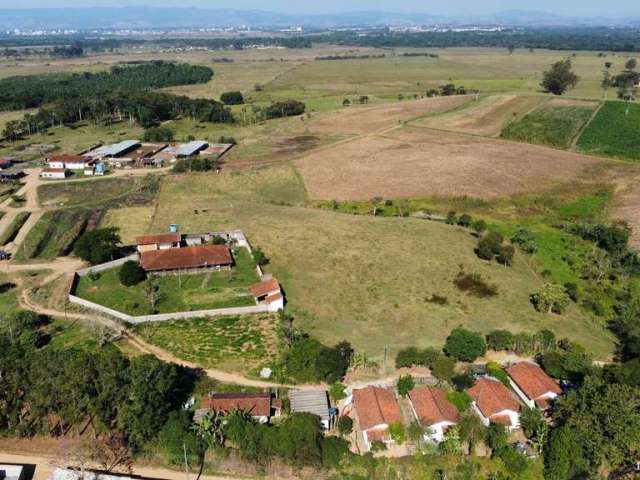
(525, 240)
(232, 98)
(443, 368)
(461, 400)
(288, 108)
(405, 385)
(465, 220)
(551, 298)
(131, 273)
(465, 345)
(498, 340)
(334, 450)
(345, 425)
(158, 134)
(98, 246)
(497, 372)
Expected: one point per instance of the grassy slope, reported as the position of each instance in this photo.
(183, 293)
(363, 278)
(553, 126)
(613, 133)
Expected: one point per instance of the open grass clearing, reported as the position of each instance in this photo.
(177, 293)
(555, 125)
(106, 192)
(485, 117)
(130, 221)
(365, 279)
(239, 343)
(613, 132)
(420, 162)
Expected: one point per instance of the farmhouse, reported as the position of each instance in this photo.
(71, 162)
(493, 403)
(432, 409)
(268, 291)
(261, 406)
(188, 259)
(161, 241)
(312, 401)
(55, 173)
(376, 408)
(533, 385)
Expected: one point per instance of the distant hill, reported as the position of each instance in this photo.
(151, 17)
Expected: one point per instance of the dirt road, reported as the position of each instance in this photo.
(45, 464)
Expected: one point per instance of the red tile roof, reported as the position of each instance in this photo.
(66, 158)
(188, 257)
(432, 406)
(257, 404)
(264, 288)
(492, 397)
(532, 380)
(159, 238)
(376, 406)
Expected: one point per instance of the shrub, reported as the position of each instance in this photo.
(443, 368)
(345, 425)
(525, 240)
(285, 109)
(405, 385)
(465, 345)
(334, 450)
(505, 255)
(232, 98)
(474, 284)
(572, 291)
(230, 140)
(497, 372)
(462, 381)
(465, 220)
(489, 246)
(377, 446)
(260, 257)
(131, 273)
(500, 340)
(397, 432)
(438, 300)
(336, 391)
(479, 226)
(412, 356)
(218, 240)
(551, 298)
(451, 219)
(158, 134)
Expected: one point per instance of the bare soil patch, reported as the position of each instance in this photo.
(486, 117)
(419, 162)
(361, 120)
(296, 145)
(572, 102)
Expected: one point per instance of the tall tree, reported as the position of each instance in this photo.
(559, 78)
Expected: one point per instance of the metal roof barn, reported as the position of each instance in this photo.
(310, 401)
(190, 148)
(114, 149)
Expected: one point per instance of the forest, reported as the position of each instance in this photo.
(24, 92)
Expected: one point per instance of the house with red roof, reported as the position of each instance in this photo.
(159, 241)
(533, 385)
(71, 162)
(261, 406)
(268, 292)
(494, 403)
(187, 259)
(375, 409)
(432, 409)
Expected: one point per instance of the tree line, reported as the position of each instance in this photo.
(32, 91)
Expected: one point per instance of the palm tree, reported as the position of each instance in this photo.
(210, 432)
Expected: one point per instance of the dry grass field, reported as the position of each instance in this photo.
(362, 120)
(366, 279)
(419, 162)
(485, 117)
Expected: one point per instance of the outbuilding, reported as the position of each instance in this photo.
(54, 173)
(160, 241)
(311, 401)
(187, 259)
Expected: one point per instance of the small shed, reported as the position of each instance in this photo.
(312, 401)
(54, 173)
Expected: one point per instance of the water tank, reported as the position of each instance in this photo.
(100, 168)
(173, 228)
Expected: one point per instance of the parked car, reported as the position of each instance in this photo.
(4, 255)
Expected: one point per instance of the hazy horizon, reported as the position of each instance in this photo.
(575, 8)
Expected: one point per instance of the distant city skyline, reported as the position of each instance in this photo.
(575, 8)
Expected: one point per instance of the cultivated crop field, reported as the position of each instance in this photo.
(613, 132)
(419, 162)
(555, 124)
(485, 117)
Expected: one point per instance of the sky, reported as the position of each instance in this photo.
(610, 8)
